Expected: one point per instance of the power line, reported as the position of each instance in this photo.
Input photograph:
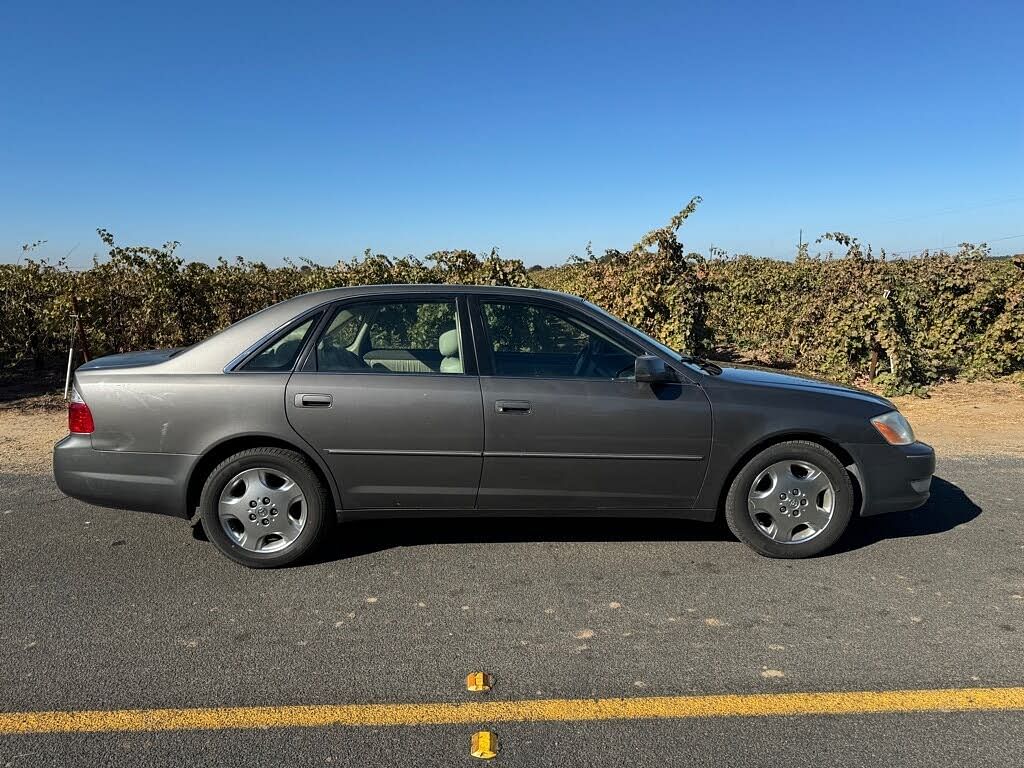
(961, 209)
(951, 245)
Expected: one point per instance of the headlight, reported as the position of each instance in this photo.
(894, 427)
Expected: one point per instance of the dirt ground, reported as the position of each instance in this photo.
(962, 419)
(27, 437)
(970, 419)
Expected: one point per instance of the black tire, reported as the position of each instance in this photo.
(319, 512)
(738, 517)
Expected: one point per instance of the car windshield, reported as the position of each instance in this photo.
(654, 342)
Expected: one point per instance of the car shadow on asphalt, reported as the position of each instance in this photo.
(947, 508)
(363, 537)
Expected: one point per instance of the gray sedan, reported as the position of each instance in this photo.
(391, 401)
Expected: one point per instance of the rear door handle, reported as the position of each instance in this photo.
(513, 406)
(313, 401)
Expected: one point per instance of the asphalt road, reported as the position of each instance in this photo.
(107, 610)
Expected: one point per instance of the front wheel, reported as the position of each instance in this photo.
(793, 499)
(265, 507)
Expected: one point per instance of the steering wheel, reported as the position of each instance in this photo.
(582, 360)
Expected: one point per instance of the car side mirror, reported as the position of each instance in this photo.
(652, 369)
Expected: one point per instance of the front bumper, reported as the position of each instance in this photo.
(892, 477)
(145, 482)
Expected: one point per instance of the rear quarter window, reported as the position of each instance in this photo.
(279, 355)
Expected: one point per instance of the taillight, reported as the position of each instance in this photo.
(79, 416)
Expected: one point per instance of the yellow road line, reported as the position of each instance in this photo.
(490, 712)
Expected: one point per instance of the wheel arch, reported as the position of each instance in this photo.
(829, 444)
(232, 445)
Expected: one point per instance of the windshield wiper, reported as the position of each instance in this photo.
(701, 362)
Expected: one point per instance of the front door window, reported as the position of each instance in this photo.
(535, 340)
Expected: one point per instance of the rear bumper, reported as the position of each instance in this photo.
(893, 478)
(145, 482)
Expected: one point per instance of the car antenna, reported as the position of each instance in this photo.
(71, 354)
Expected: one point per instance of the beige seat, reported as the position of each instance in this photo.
(448, 344)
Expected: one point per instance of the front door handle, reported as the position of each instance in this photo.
(313, 401)
(513, 406)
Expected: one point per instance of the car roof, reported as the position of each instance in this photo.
(393, 288)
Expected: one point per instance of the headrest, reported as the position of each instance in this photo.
(448, 344)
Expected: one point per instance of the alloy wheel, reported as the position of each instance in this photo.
(262, 510)
(791, 501)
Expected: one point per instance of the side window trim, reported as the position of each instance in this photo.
(307, 357)
(482, 347)
(467, 336)
(308, 361)
(485, 348)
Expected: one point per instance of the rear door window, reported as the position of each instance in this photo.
(402, 336)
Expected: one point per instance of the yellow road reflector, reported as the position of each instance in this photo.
(479, 681)
(829, 703)
(484, 745)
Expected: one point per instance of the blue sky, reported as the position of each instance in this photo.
(304, 129)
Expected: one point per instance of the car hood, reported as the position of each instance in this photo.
(765, 377)
(130, 359)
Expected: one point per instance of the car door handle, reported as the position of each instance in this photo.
(313, 401)
(513, 406)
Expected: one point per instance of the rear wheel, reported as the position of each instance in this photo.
(265, 507)
(793, 499)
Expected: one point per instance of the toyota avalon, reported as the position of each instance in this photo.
(440, 400)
